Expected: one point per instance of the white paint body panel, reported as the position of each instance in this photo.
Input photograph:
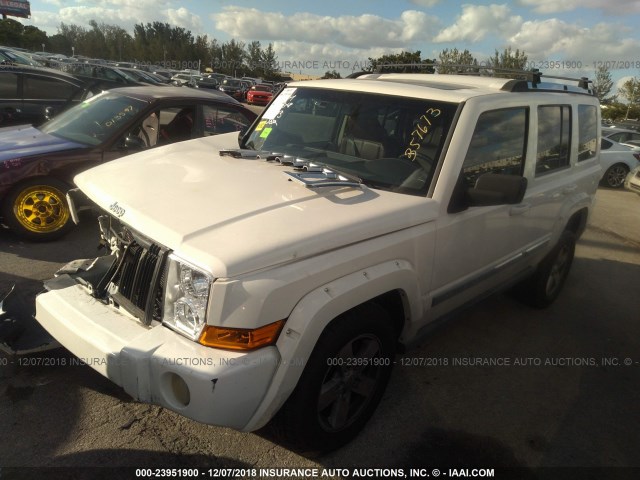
(279, 250)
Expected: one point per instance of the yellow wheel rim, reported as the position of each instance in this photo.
(41, 209)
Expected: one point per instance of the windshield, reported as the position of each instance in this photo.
(388, 142)
(14, 57)
(94, 120)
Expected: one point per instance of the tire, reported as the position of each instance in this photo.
(542, 289)
(37, 209)
(332, 403)
(615, 175)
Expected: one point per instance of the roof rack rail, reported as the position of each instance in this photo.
(524, 80)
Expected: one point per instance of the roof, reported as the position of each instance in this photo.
(157, 92)
(410, 85)
(454, 88)
(41, 71)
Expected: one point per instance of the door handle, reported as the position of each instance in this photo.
(519, 209)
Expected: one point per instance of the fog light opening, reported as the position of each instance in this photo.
(179, 390)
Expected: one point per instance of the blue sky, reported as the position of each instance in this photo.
(343, 34)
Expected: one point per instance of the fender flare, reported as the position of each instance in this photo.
(316, 310)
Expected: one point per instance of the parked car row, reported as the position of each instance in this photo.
(37, 164)
(34, 94)
(251, 90)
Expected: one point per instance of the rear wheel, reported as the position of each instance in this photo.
(545, 285)
(342, 384)
(615, 175)
(37, 209)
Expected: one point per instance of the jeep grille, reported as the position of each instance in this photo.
(139, 280)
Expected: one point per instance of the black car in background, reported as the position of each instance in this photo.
(30, 95)
(207, 82)
(37, 165)
(234, 88)
(100, 72)
(144, 76)
(9, 56)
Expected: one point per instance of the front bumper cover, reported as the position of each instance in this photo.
(154, 364)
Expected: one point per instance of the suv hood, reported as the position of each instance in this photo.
(233, 216)
(25, 140)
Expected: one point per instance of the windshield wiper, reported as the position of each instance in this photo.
(249, 154)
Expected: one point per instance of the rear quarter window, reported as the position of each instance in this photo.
(588, 132)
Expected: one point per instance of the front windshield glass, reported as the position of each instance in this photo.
(14, 57)
(388, 142)
(94, 120)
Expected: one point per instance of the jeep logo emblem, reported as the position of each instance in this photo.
(116, 209)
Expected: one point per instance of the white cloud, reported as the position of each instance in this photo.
(477, 21)
(555, 39)
(83, 15)
(325, 57)
(123, 13)
(620, 83)
(619, 7)
(363, 31)
(184, 18)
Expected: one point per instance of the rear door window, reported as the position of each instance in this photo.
(554, 138)
(9, 85)
(587, 132)
(37, 87)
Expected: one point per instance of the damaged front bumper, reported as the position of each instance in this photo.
(151, 362)
(154, 364)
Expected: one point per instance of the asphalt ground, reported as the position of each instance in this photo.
(529, 393)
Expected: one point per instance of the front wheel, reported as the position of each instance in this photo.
(37, 209)
(615, 175)
(342, 384)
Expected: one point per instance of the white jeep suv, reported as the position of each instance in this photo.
(275, 276)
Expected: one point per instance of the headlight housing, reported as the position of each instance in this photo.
(186, 297)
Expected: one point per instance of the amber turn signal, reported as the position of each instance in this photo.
(240, 338)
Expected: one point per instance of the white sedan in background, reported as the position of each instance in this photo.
(617, 161)
(621, 135)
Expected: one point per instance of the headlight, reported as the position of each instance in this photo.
(186, 297)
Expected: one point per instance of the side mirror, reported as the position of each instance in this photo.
(497, 189)
(134, 143)
(490, 189)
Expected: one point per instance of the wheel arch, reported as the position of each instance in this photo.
(578, 222)
(392, 286)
